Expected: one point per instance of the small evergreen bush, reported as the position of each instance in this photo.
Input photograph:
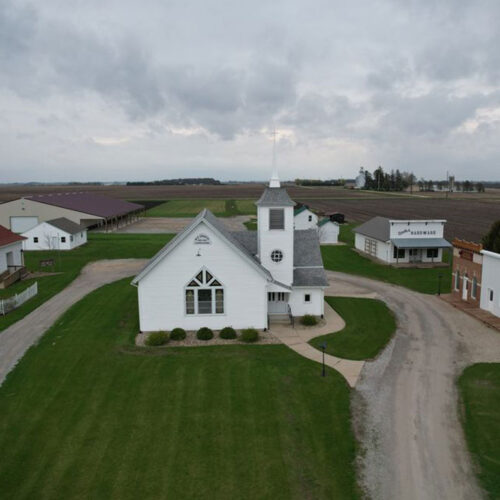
(204, 333)
(156, 338)
(178, 334)
(227, 333)
(309, 320)
(249, 335)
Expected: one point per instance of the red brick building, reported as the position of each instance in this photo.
(467, 271)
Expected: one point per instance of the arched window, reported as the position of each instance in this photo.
(204, 294)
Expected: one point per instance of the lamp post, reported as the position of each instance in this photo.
(439, 283)
(323, 348)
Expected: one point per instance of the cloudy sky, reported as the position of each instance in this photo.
(120, 89)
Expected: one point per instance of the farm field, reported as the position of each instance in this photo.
(479, 387)
(369, 326)
(191, 207)
(67, 265)
(87, 413)
(343, 258)
(467, 219)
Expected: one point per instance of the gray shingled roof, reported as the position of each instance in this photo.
(306, 249)
(309, 276)
(378, 228)
(275, 197)
(66, 225)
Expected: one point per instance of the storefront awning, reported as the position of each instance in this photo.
(420, 243)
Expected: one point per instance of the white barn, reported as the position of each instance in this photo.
(328, 232)
(303, 218)
(490, 286)
(210, 276)
(56, 234)
(402, 241)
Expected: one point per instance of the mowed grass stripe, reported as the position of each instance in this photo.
(126, 422)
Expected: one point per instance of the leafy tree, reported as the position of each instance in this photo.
(491, 241)
(480, 187)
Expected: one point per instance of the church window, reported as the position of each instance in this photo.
(204, 295)
(276, 218)
(276, 256)
(307, 297)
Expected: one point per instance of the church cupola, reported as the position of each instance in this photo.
(275, 231)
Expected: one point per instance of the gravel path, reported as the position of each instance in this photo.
(406, 403)
(177, 224)
(18, 338)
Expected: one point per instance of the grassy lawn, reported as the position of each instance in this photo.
(191, 207)
(479, 387)
(345, 259)
(369, 326)
(68, 265)
(85, 414)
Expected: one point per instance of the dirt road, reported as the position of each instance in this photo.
(406, 402)
(177, 224)
(18, 338)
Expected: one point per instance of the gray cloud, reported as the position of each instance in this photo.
(198, 80)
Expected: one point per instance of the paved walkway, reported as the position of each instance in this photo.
(19, 337)
(297, 339)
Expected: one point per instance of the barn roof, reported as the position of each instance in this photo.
(87, 202)
(378, 228)
(298, 211)
(326, 220)
(66, 225)
(7, 237)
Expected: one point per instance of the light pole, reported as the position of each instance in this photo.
(439, 283)
(323, 348)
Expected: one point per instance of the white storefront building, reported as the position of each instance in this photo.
(490, 286)
(210, 276)
(402, 241)
(57, 234)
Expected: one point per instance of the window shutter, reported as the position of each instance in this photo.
(276, 218)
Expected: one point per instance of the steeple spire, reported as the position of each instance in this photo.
(275, 181)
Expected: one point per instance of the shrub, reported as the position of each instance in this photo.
(178, 334)
(227, 333)
(204, 333)
(309, 320)
(157, 338)
(249, 335)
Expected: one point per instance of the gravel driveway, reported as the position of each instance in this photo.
(406, 402)
(18, 338)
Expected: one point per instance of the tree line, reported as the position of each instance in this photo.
(177, 182)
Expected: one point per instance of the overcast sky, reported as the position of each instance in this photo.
(137, 90)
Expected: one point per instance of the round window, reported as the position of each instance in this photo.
(276, 255)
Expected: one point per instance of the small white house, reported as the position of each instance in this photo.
(56, 234)
(490, 286)
(11, 257)
(328, 232)
(402, 241)
(303, 218)
(211, 276)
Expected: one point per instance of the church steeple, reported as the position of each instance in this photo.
(275, 180)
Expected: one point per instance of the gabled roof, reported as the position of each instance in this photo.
(7, 237)
(306, 248)
(275, 197)
(66, 225)
(309, 276)
(298, 211)
(378, 228)
(209, 218)
(88, 202)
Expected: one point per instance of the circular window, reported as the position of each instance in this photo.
(276, 255)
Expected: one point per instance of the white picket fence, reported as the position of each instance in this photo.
(8, 305)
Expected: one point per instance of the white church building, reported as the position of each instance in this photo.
(210, 276)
